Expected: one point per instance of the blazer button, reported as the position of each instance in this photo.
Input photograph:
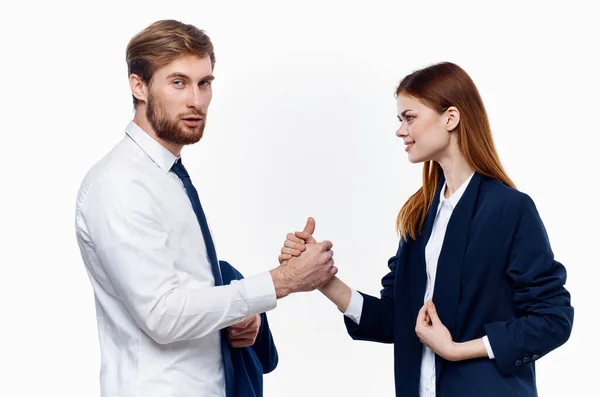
(535, 357)
(518, 363)
(526, 360)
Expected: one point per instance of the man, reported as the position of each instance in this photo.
(171, 321)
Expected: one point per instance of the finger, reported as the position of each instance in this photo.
(252, 320)
(291, 244)
(291, 251)
(284, 258)
(306, 237)
(239, 343)
(421, 316)
(329, 254)
(241, 333)
(435, 320)
(258, 322)
(250, 331)
(295, 239)
(333, 271)
(235, 333)
(310, 226)
(242, 324)
(326, 245)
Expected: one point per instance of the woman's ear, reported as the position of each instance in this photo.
(452, 117)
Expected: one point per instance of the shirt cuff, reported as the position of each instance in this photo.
(488, 347)
(354, 310)
(259, 293)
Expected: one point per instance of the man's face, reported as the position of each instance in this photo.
(178, 99)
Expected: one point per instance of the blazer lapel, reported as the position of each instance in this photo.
(428, 224)
(418, 269)
(448, 278)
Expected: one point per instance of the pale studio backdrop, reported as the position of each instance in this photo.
(302, 124)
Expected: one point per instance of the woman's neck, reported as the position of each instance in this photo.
(456, 171)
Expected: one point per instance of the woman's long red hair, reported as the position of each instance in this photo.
(440, 86)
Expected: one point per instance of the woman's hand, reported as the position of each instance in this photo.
(295, 243)
(434, 334)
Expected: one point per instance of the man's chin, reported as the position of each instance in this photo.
(182, 138)
(190, 137)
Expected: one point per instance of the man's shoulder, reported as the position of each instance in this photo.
(116, 172)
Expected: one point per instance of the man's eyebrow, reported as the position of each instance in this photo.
(184, 76)
(178, 74)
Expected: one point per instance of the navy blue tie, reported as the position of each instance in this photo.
(192, 193)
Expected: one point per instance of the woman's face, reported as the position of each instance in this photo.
(426, 133)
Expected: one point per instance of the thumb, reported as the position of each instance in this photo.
(307, 237)
(435, 320)
(242, 323)
(310, 225)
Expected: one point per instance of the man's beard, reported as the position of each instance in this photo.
(174, 130)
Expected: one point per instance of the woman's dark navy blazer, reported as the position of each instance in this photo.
(496, 276)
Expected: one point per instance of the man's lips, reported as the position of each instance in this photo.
(192, 121)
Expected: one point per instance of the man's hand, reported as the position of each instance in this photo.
(244, 333)
(305, 265)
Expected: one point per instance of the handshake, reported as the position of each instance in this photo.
(304, 264)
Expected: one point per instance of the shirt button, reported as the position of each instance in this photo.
(535, 357)
(526, 360)
(518, 363)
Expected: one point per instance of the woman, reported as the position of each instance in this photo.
(474, 296)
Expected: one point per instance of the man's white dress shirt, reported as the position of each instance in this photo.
(432, 254)
(157, 307)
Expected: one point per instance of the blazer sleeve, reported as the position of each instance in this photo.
(264, 346)
(377, 316)
(543, 305)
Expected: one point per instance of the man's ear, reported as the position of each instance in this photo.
(139, 88)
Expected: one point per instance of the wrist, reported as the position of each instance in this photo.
(327, 286)
(456, 352)
(282, 283)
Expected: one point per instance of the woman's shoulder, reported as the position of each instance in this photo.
(497, 193)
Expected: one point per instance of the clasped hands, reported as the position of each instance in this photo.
(306, 270)
(429, 328)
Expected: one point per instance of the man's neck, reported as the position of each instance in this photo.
(142, 122)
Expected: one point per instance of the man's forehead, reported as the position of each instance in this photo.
(189, 66)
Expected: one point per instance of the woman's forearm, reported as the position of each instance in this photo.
(338, 292)
(467, 350)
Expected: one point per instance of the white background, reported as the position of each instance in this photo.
(302, 124)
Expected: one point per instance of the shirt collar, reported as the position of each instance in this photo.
(453, 200)
(157, 152)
